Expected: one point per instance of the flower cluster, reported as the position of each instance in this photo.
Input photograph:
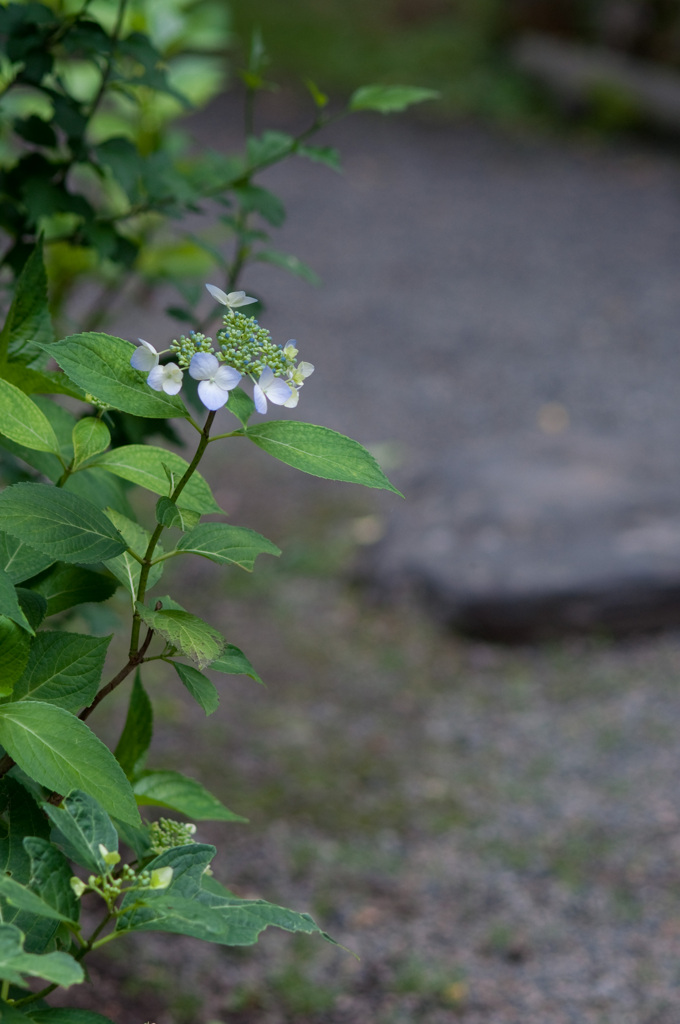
(245, 350)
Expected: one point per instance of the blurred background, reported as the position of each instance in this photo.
(465, 761)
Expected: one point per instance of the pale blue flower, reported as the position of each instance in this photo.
(275, 389)
(216, 380)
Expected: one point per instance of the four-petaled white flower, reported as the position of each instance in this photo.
(275, 389)
(216, 380)
(144, 358)
(232, 300)
(298, 375)
(166, 378)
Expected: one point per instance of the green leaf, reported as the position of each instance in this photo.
(63, 669)
(100, 365)
(50, 876)
(198, 906)
(169, 514)
(14, 649)
(67, 585)
(388, 99)
(22, 421)
(68, 1015)
(180, 793)
(233, 662)
(90, 437)
(34, 606)
(189, 634)
(126, 568)
(199, 686)
(269, 147)
(320, 452)
(19, 560)
(82, 827)
(9, 603)
(288, 262)
(320, 98)
(61, 752)
(327, 155)
(241, 405)
(48, 382)
(255, 199)
(100, 488)
(58, 968)
(28, 325)
(143, 464)
(137, 732)
(58, 523)
(19, 896)
(227, 545)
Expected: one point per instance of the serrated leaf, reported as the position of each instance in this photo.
(327, 155)
(58, 968)
(82, 827)
(135, 739)
(200, 907)
(388, 99)
(180, 793)
(22, 421)
(19, 560)
(126, 568)
(226, 545)
(28, 325)
(21, 817)
(9, 603)
(15, 645)
(68, 1015)
(241, 405)
(58, 523)
(168, 514)
(67, 585)
(34, 606)
(288, 262)
(320, 452)
(22, 898)
(44, 382)
(143, 464)
(90, 437)
(233, 662)
(190, 635)
(63, 669)
(50, 876)
(199, 686)
(101, 488)
(100, 365)
(61, 752)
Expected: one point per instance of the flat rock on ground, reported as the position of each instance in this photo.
(499, 316)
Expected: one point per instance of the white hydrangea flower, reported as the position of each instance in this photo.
(144, 358)
(216, 380)
(299, 374)
(278, 391)
(232, 299)
(166, 378)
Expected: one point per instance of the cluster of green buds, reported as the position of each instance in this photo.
(112, 883)
(165, 834)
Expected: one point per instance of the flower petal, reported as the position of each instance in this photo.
(279, 392)
(293, 400)
(172, 379)
(156, 378)
(212, 395)
(259, 399)
(226, 377)
(235, 299)
(144, 358)
(218, 294)
(305, 369)
(203, 366)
